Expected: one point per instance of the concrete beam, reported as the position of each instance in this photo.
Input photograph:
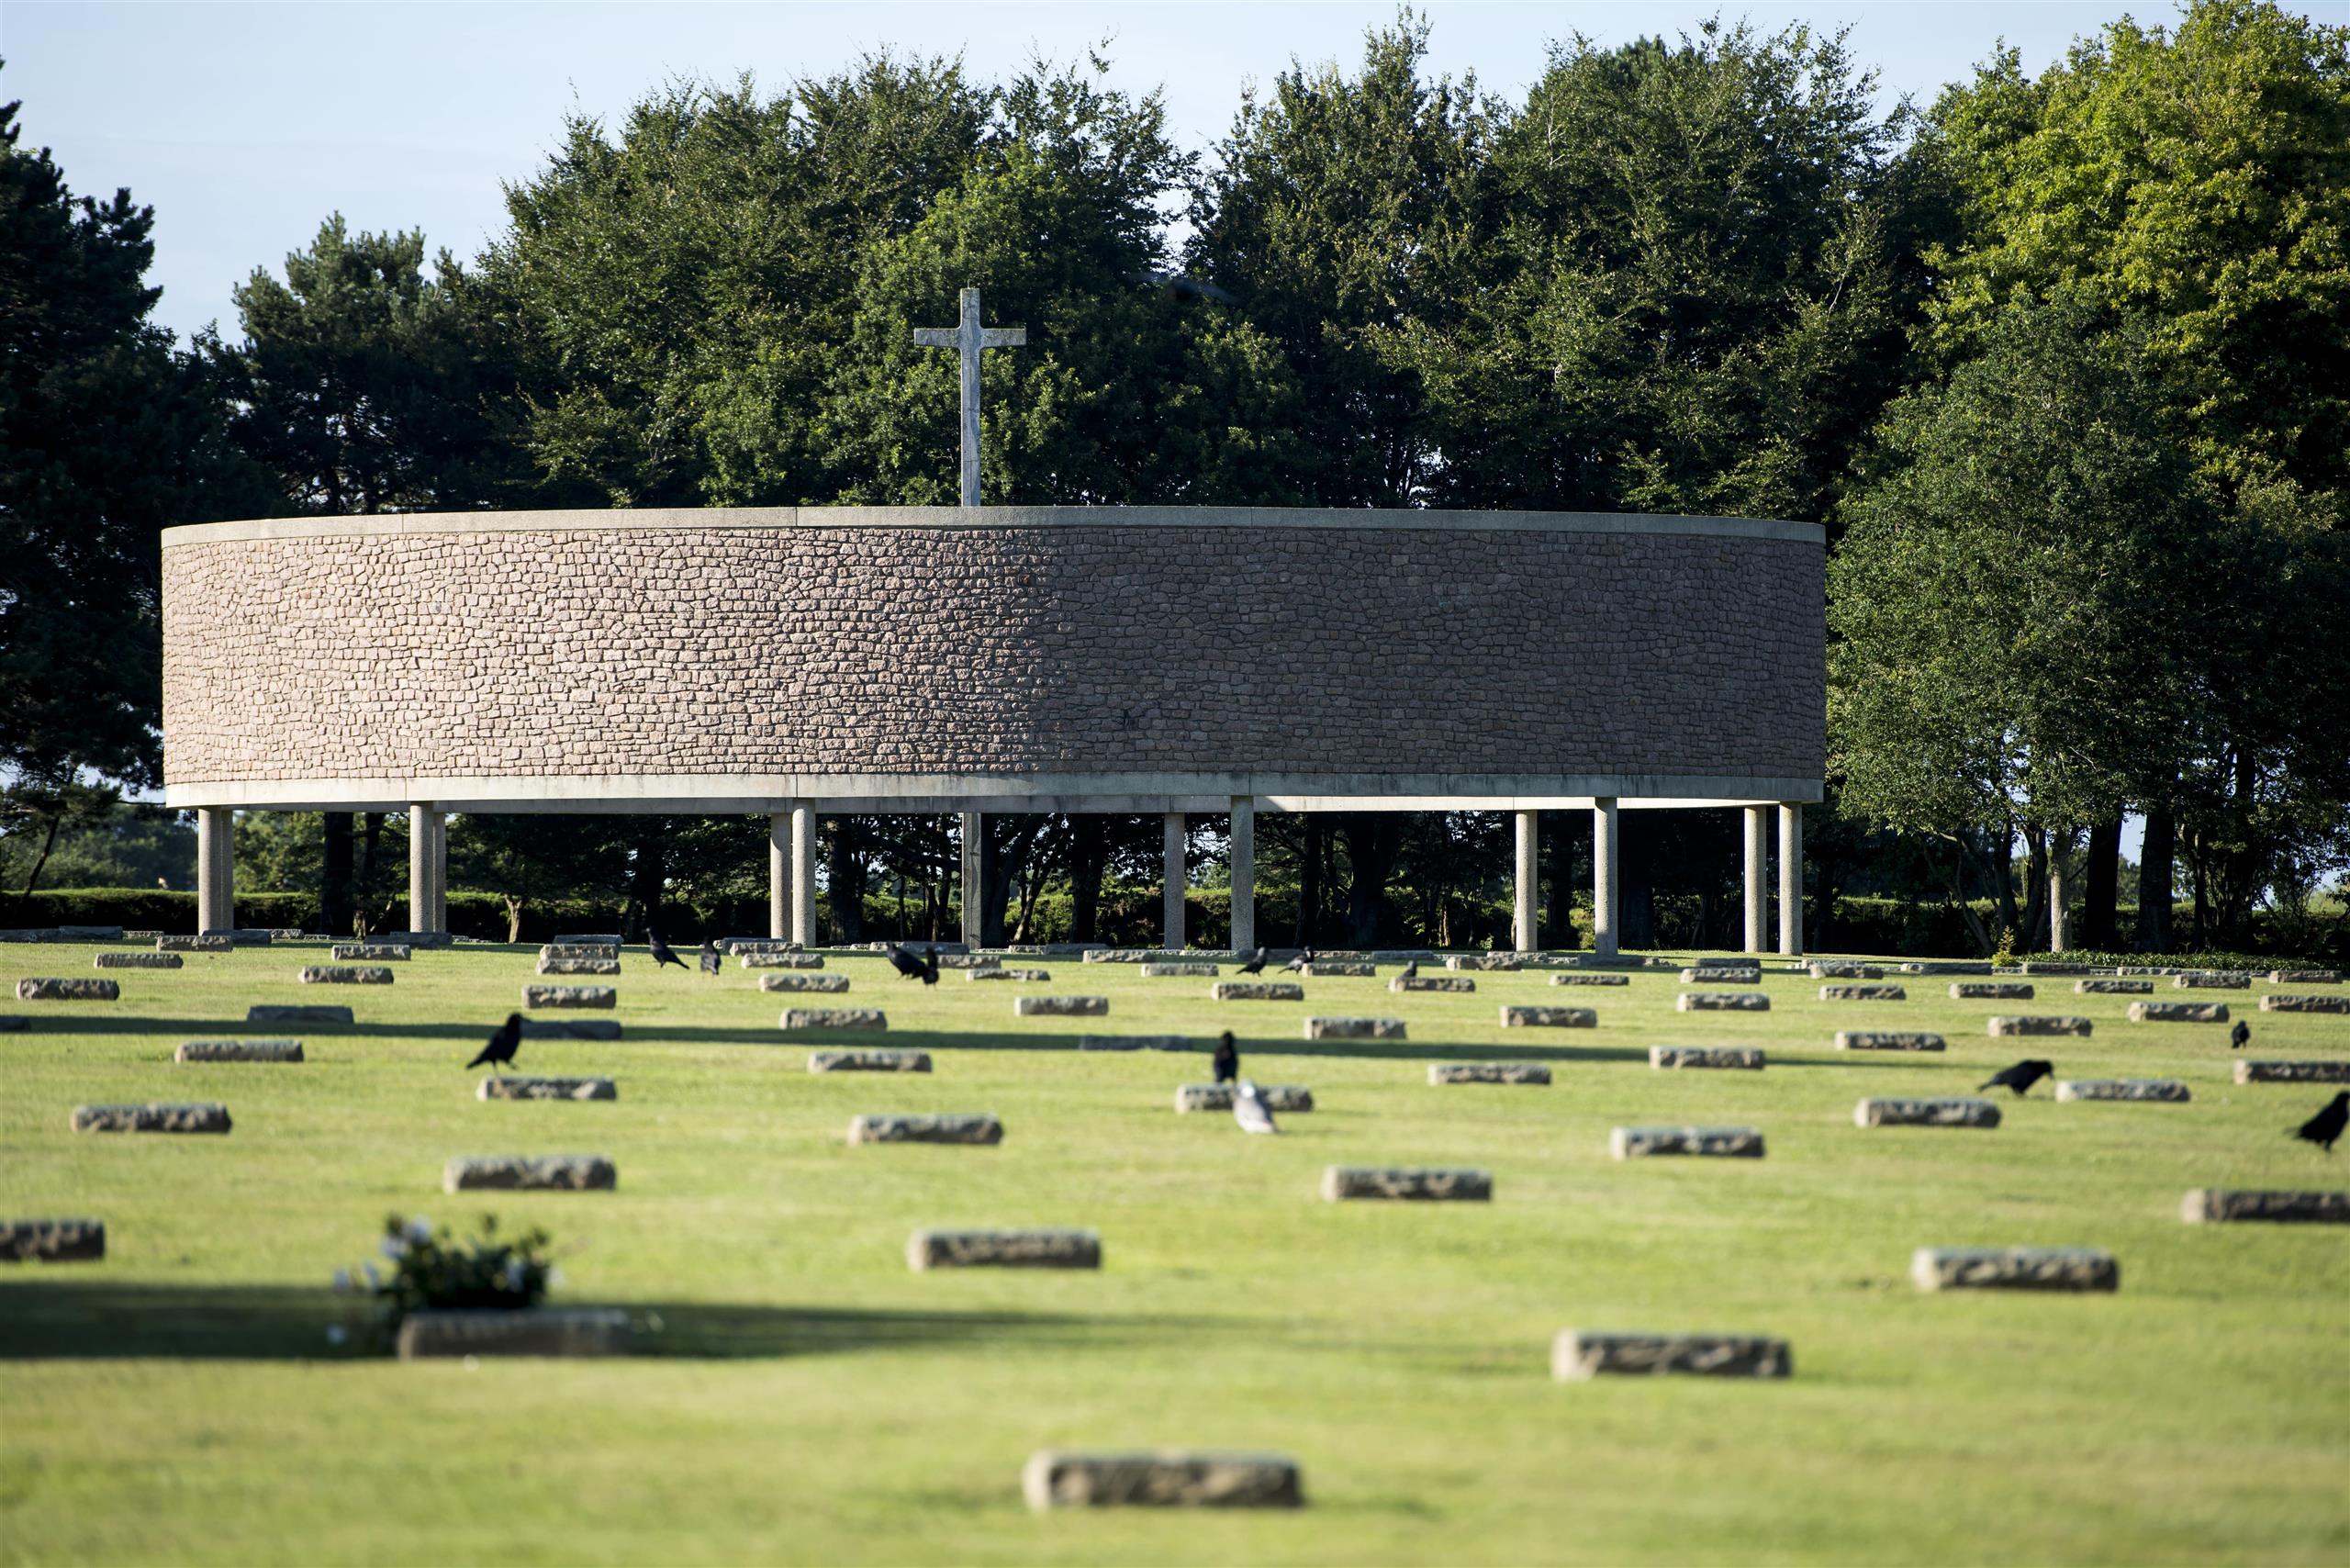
(1603, 878)
(1244, 873)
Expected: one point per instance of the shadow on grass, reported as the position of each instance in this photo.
(48, 1317)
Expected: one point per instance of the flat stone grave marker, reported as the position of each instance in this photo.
(205, 1117)
(420, 939)
(1950, 1110)
(2168, 1091)
(947, 960)
(579, 966)
(1431, 982)
(2305, 976)
(531, 1173)
(868, 1061)
(1340, 968)
(2179, 1012)
(1739, 1058)
(1585, 978)
(1886, 992)
(535, 997)
(297, 1012)
(1170, 1478)
(346, 974)
(2283, 1002)
(372, 952)
(1887, 1041)
(608, 951)
(1346, 1184)
(239, 1050)
(244, 935)
(829, 985)
(541, 1331)
(773, 960)
(1969, 967)
(505, 1087)
(1001, 973)
(1837, 969)
(137, 961)
(1517, 1016)
(2293, 1073)
(1578, 1355)
(1059, 1006)
(1495, 963)
(2211, 979)
(586, 939)
(1721, 1001)
(1721, 976)
(53, 1240)
(1989, 991)
(193, 944)
(135, 935)
(942, 1127)
(1257, 990)
(1529, 1072)
(1288, 1098)
(2112, 987)
(90, 933)
(1354, 1028)
(735, 946)
(2221, 1205)
(1140, 1043)
(75, 989)
(834, 1018)
(2003, 1025)
(2014, 1268)
(927, 1250)
(1715, 1143)
(2035, 967)
(571, 1028)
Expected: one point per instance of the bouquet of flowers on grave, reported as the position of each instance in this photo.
(434, 1269)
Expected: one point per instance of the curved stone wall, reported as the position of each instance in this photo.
(735, 658)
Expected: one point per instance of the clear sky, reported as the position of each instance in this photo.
(244, 125)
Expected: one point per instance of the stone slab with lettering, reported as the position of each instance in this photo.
(559, 951)
(1488, 1072)
(2305, 976)
(1520, 1016)
(2221, 1206)
(1721, 1001)
(773, 960)
(579, 966)
(2003, 1025)
(239, 1050)
(2179, 1012)
(2112, 987)
(820, 984)
(535, 997)
(834, 1018)
(1888, 1040)
(1578, 1355)
(1715, 1143)
(1497, 963)
(531, 1173)
(1837, 968)
(346, 974)
(2168, 1091)
(504, 1087)
(586, 939)
(1286, 1098)
(1034, 976)
(1990, 991)
(868, 1061)
(53, 1240)
(1739, 1058)
(1344, 1184)
(75, 988)
(371, 952)
(1582, 979)
(1885, 992)
(193, 944)
(1431, 982)
(138, 960)
(2293, 1073)
(1257, 990)
(571, 1028)
(1722, 974)
(1354, 1028)
(1340, 968)
(2288, 1001)
(1059, 1006)
(2014, 1268)
(244, 935)
(2040, 966)
(1948, 1111)
(1170, 1478)
(940, 1127)
(2211, 979)
(927, 1250)
(207, 1117)
(297, 1012)
(541, 1331)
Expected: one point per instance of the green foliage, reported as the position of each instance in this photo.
(433, 1271)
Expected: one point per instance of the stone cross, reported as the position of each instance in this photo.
(968, 340)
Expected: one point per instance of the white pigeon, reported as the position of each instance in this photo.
(1248, 1109)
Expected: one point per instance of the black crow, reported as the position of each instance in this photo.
(1256, 964)
(503, 1043)
(1175, 285)
(2022, 1075)
(930, 965)
(1410, 970)
(905, 963)
(1297, 966)
(711, 962)
(1228, 1059)
(2240, 1037)
(660, 949)
(2326, 1126)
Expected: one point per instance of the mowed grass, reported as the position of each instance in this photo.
(799, 1397)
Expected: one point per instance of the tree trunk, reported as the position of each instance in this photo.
(371, 838)
(1635, 858)
(513, 918)
(2059, 846)
(1309, 884)
(2157, 867)
(847, 881)
(2102, 890)
(1371, 838)
(1088, 848)
(48, 844)
(648, 874)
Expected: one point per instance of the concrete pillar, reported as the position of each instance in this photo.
(428, 869)
(1758, 849)
(2057, 846)
(1171, 884)
(803, 874)
(1603, 876)
(1524, 882)
(975, 825)
(1791, 879)
(1244, 873)
(779, 876)
(216, 869)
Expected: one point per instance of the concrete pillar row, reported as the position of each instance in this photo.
(973, 829)
(216, 869)
(1603, 876)
(1525, 933)
(1791, 879)
(803, 874)
(1244, 873)
(1756, 888)
(1171, 878)
(428, 869)
(779, 876)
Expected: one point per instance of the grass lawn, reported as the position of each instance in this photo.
(799, 1397)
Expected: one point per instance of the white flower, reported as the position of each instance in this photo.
(420, 1229)
(337, 1334)
(554, 1278)
(375, 1280)
(393, 1246)
(342, 1280)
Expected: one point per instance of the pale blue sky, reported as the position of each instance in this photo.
(244, 125)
